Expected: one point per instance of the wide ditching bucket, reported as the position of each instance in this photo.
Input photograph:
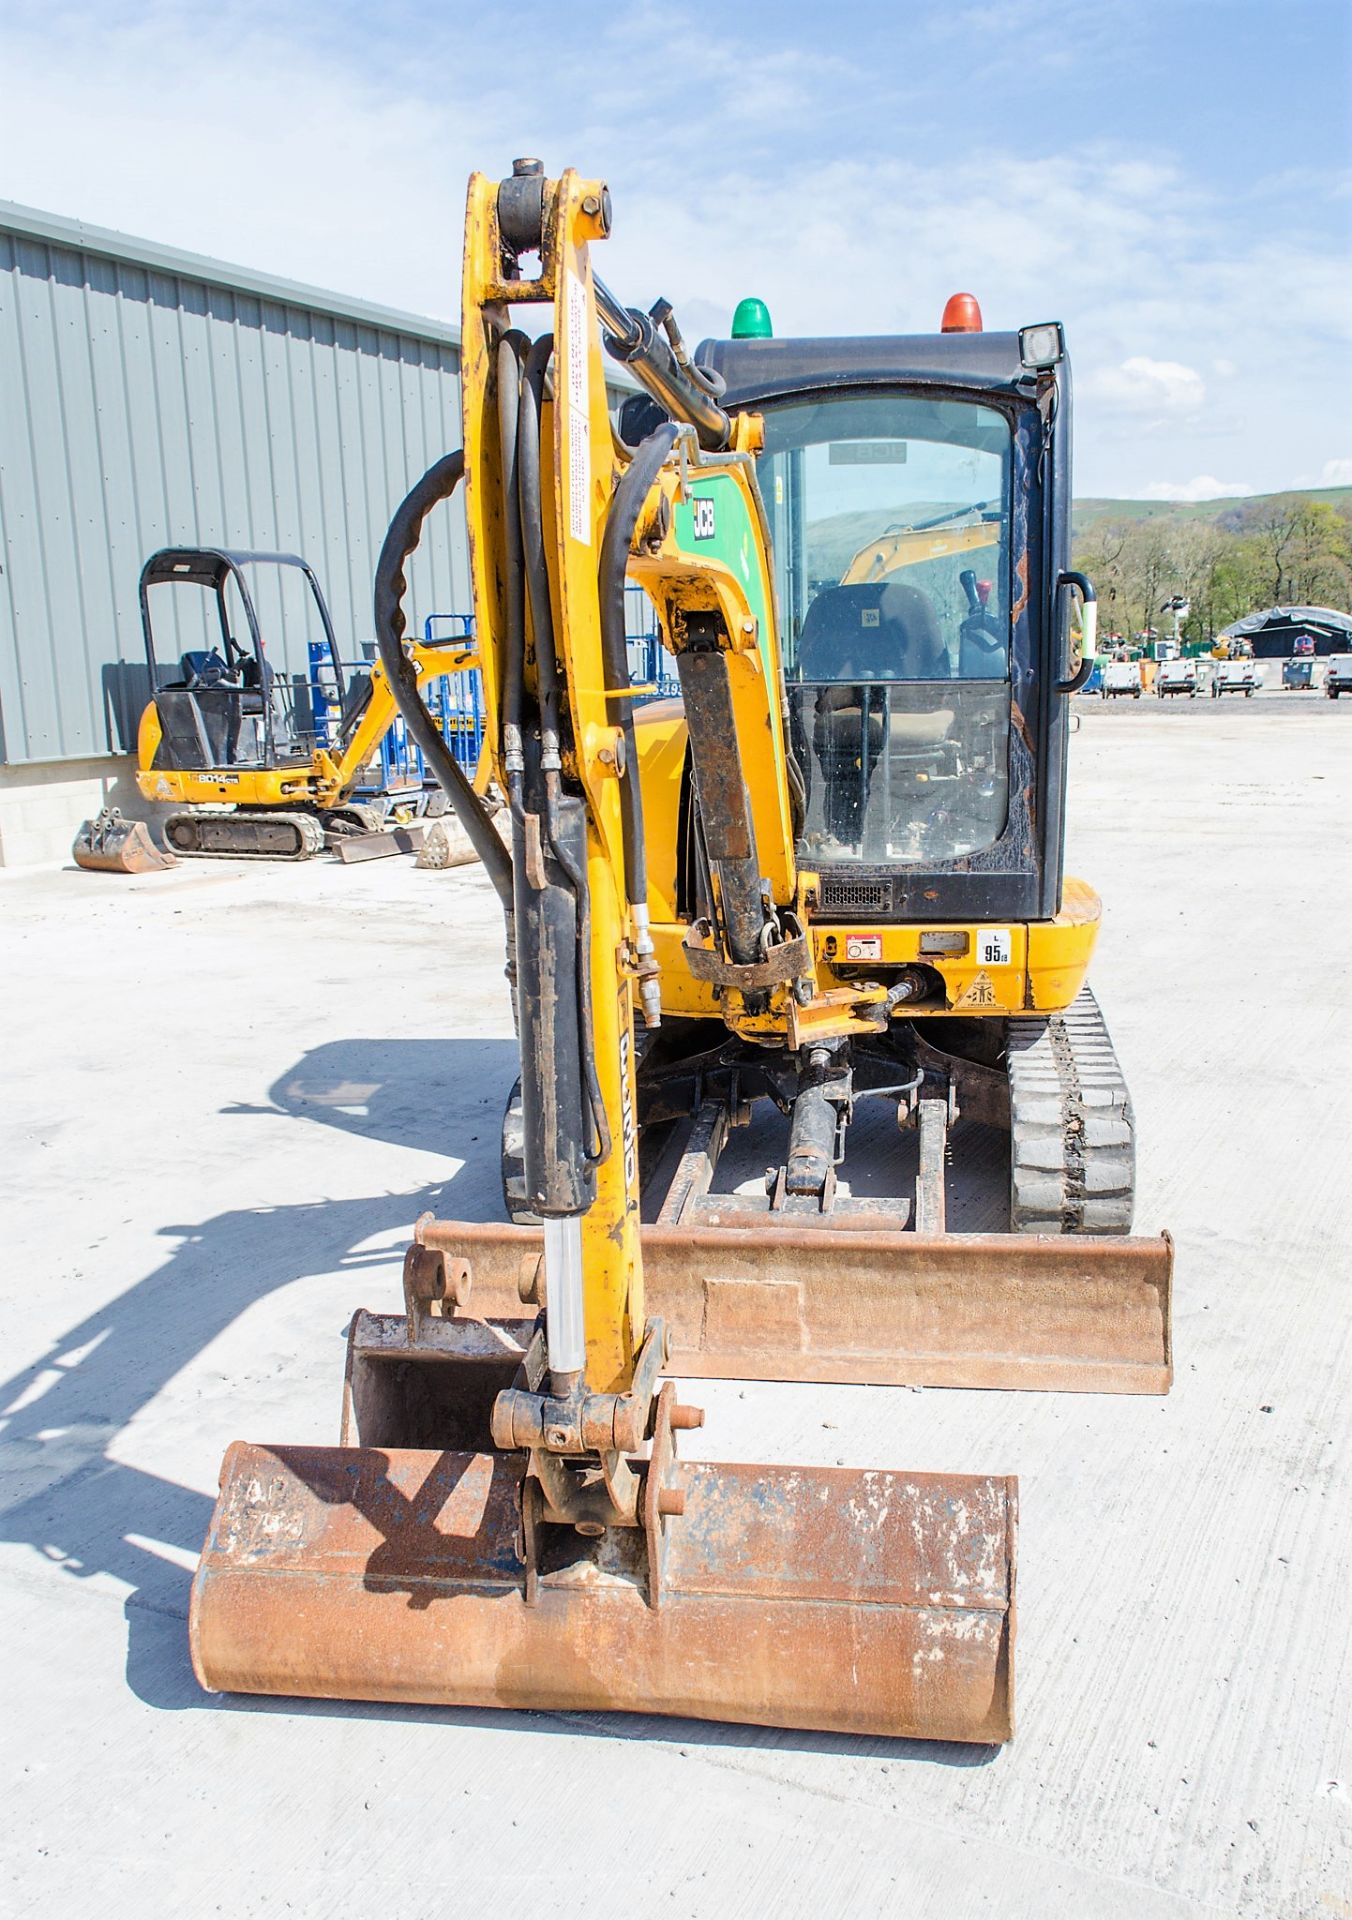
(819, 1598)
(111, 844)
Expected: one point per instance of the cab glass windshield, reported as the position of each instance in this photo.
(889, 518)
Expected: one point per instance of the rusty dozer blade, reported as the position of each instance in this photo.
(827, 1599)
(111, 844)
(1068, 1313)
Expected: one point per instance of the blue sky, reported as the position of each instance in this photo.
(1171, 180)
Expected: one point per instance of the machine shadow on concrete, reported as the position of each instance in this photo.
(61, 1491)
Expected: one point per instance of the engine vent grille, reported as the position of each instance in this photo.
(855, 896)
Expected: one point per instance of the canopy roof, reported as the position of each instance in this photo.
(1277, 619)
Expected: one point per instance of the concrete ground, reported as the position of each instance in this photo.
(229, 1092)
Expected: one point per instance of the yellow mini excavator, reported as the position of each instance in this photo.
(830, 873)
(258, 764)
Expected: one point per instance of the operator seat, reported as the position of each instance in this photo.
(884, 630)
(256, 680)
(854, 639)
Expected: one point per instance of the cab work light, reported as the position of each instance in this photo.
(1042, 346)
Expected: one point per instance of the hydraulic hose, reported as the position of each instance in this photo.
(526, 510)
(630, 495)
(437, 484)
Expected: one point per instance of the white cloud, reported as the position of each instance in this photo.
(1336, 473)
(1148, 387)
(304, 146)
(1205, 487)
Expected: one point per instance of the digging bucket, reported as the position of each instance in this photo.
(816, 1598)
(111, 844)
(401, 1565)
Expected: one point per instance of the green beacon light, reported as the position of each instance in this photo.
(752, 321)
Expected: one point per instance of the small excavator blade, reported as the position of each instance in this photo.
(821, 1598)
(1069, 1313)
(110, 844)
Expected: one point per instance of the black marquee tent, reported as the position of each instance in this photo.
(1274, 634)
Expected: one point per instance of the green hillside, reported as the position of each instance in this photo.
(839, 536)
(1226, 557)
(1227, 512)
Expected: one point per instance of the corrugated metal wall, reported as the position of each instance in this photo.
(150, 399)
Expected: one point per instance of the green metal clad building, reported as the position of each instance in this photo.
(150, 397)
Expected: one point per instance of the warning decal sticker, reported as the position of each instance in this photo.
(579, 415)
(979, 993)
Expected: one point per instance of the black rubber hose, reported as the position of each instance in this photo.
(533, 531)
(436, 485)
(630, 494)
(509, 404)
(530, 502)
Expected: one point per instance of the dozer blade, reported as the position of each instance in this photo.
(110, 844)
(828, 1599)
(1068, 1313)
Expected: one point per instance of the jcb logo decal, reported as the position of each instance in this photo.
(703, 512)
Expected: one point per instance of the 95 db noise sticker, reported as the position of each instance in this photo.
(994, 947)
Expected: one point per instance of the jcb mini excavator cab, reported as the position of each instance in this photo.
(915, 491)
(505, 1520)
(916, 496)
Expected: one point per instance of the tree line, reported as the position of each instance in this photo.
(1281, 550)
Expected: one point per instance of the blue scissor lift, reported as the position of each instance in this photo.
(456, 701)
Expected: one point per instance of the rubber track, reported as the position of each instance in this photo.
(1072, 1134)
(310, 831)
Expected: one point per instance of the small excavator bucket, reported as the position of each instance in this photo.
(110, 844)
(822, 1598)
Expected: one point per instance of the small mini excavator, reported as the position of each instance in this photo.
(830, 873)
(260, 764)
